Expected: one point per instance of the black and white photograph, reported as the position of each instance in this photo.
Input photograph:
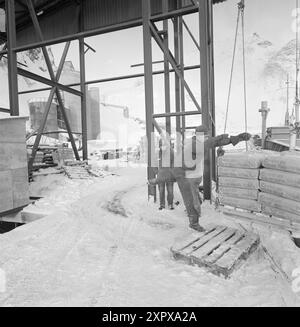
(149, 156)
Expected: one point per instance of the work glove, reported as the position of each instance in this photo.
(239, 138)
(220, 152)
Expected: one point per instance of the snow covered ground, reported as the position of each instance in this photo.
(104, 244)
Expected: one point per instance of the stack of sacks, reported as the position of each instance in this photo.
(239, 180)
(280, 186)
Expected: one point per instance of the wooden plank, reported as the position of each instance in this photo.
(239, 252)
(225, 247)
(210, 246)
(262, 219)
(179, 246)
(203, 240)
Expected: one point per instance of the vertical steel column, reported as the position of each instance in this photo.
(83, 88)
(12, 58)
(165, 8)
(177, 80)
(149, 106)
(181, 62)
(207, 95)
(212, 87)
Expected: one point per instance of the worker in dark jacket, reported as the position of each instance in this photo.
(190, 173)
(164, 175)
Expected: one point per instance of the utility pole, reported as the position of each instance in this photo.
(287, 114)
(264, 110)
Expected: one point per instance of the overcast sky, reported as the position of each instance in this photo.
(116, 52)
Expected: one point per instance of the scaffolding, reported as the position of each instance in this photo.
(38, 24)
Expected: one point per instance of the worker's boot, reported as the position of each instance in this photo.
(194, 224)
(197, 227)
(171, 207)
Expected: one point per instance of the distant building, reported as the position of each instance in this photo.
(72, 105)
(93, 113)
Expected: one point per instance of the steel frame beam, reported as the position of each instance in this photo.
(6, 111)
(47, 81)
(207, 87)
(40, 131)
(111, 79)
(165, 8)
(149, 105)
(177, 114)
(12, 58)
(172, 61)
(55, 89)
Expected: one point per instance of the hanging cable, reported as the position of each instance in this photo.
(242, 6)
(232, 68)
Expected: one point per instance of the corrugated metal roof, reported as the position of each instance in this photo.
(60, 18)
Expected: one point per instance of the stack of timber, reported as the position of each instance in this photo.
(280, 186)
(14, 187)
(238, 177)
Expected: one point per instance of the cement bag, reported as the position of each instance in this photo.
(277, 202)
(242, 160)
(285, 162)
(279, 177)
(287, 192)
(280, 213)
(252, 184)
(250, 205)
(238, 172)
(242, 193)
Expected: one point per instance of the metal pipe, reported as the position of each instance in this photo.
(177, 114)
(142, 64)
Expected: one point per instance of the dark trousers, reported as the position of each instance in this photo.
(189, 189)
(162, 195)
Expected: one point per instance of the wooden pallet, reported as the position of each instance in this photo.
(77, 172)
(219, 249)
